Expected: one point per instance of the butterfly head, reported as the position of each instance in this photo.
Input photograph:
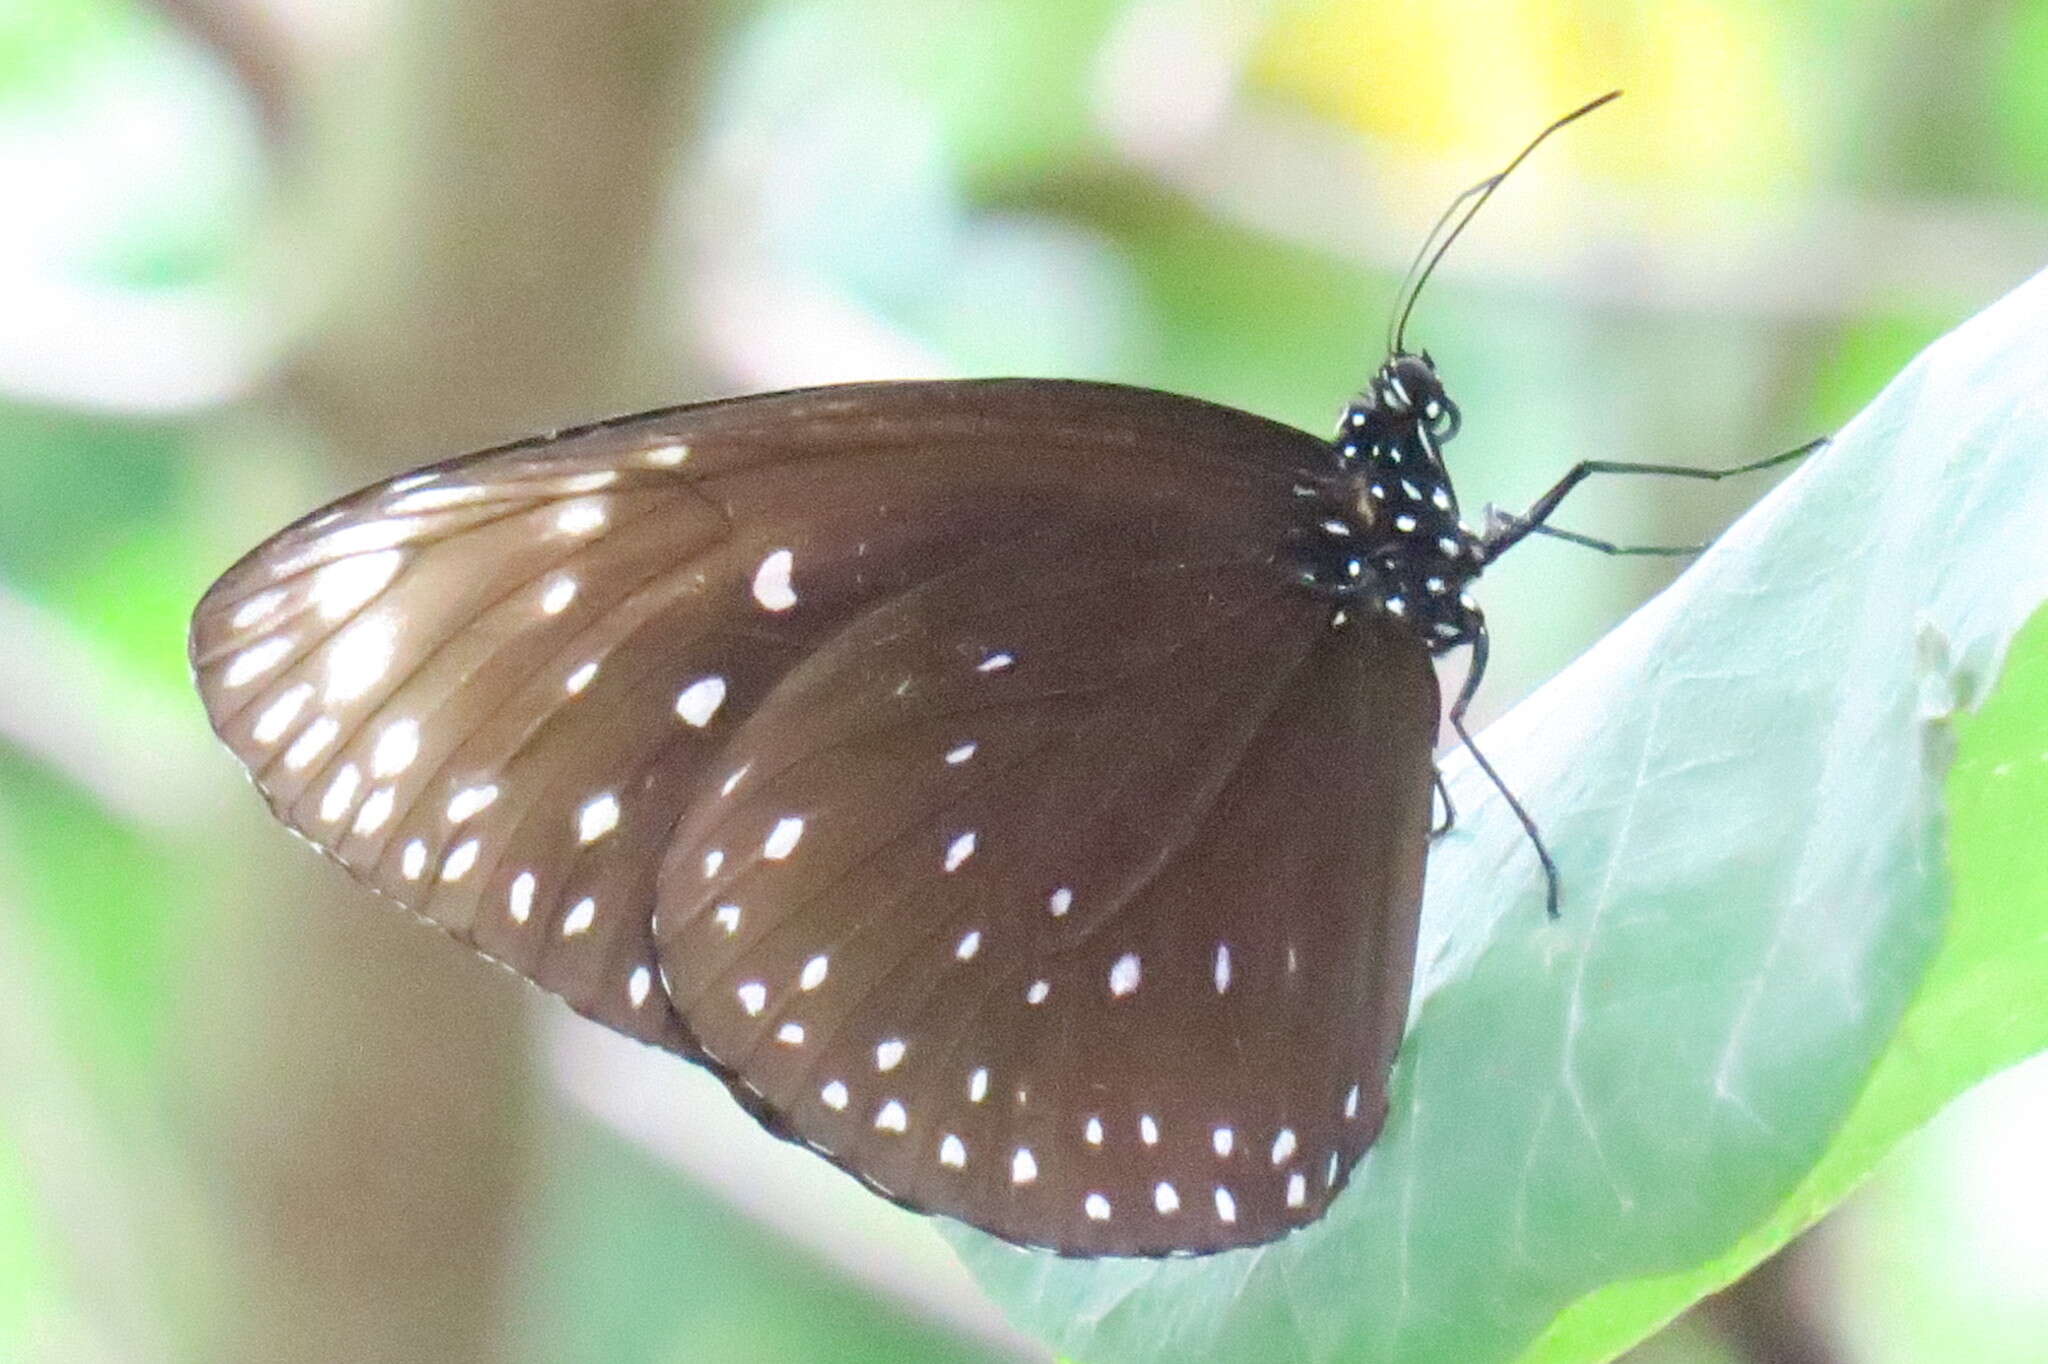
(1407, 387)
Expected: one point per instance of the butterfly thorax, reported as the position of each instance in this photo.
(1398, 547)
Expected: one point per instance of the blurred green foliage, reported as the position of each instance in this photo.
(723, 1291)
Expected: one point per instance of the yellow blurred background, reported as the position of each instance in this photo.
(256, 252)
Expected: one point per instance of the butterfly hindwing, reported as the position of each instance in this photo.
(1017, 943)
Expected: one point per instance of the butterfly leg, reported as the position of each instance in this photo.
(1504, 530)
(1457, 721)
(1500, 523)
(1443, 793)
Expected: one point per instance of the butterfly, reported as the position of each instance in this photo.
(1017, 791)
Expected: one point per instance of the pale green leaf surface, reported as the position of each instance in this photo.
(1744, 785)
(1978, 1010)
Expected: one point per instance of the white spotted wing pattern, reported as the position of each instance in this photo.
(956, 769)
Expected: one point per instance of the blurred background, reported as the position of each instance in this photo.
(256, 252)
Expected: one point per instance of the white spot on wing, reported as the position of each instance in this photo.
(790, 1034)
(953, 1152)
(1222, 967)
(556, 596)
(434, 499)
(1148, 1129)
(590, 482)
(1226, 1206)
(771, 581)
(893, 1117)
(375, 810)
(732, 782)
(277, 717)
(258, 608)
(782, 839)
(753, 997)
(576, 681)
(1097, 1207)
(1166, 1198)
(519, 900)
(1125, 974)
(1023, 1166)
(969, 945)
(598, 817)
(728, 917)
(341, 793)
(360, 656)
(959, 850)
(1060, 902)
(889, 1054)
(1283, 1146)
(834, 1095)
(1038, 991)
(346, 584)
(256, 660)
(815, 969)
(361, 538)
(469, 802)
(667, 456)
(699, 701)
(413, 860)
(1222, 1140)
(461, 860)
(995, 663)
(581, 517)
(1351, 1103)
(1297, 1190)
(1092, 1133)
(977, 1085)
(637, 986)
(397, 746)
(713, 860)
(311, 743)
(960, 753)
(581, 916)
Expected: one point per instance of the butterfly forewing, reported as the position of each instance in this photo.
(957, 768)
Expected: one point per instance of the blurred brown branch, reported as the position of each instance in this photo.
(248, 40)
(1781, 1312)
(482, 218)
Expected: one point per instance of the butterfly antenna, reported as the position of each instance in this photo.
(1399, 313)
(1484, 191)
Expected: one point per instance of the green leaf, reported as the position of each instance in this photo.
(1979, 1008)
(1744, 786)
